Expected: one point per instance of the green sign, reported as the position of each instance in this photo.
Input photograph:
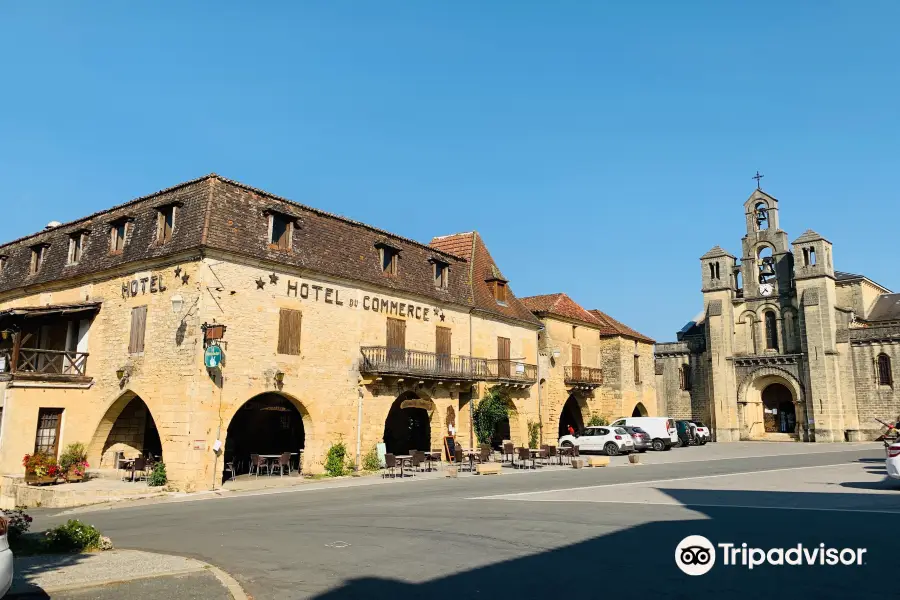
(212, 358)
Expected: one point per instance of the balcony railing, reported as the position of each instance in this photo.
(515, 371)
(399, 361)
(578, 375)
(36, 363)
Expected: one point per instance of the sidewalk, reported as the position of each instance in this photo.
(120, 574)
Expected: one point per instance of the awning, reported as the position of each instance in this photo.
(50, 310)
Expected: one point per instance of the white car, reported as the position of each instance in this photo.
(703, 434)
(663, 434)
(6, 558)
(611, 440)
(892, 463)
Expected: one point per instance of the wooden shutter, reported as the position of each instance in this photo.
(503, 357)
(576, 356)
(138, 327)
(289, 322)
(442, 342)
(47, 437)
(396, 334)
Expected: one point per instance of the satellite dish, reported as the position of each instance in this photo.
(52, 224)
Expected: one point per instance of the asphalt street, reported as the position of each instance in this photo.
(549, 534)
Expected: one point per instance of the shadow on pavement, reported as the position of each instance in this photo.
(640, 561)
(27, 566)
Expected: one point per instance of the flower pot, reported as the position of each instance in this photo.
(34, 479)
(73, 477)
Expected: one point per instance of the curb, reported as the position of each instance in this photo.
(229, 582)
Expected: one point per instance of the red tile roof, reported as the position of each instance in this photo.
(616, 328)
(470, 246)
(562, 306)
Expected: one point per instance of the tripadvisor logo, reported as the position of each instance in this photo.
(696, 555)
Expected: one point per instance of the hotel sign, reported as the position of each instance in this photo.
(337, 297)
(143, 285)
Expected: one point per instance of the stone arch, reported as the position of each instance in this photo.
(639, 410)
(408, 424)
(760, 250)
(574, 412)
(127, 435)
(750, 402)
(305, 419)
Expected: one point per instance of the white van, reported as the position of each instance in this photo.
(663, 434)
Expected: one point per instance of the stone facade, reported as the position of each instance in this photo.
(222, 265)
(785, 344)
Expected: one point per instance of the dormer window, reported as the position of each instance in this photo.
(441, 274)
(38, 254)
(281, 230)
(498, 287)
(165, 222)
(3, 259)
(118, 235)
(76, 247)
(389, 257)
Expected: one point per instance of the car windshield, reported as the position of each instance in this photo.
(621, 431)
(637, 430)
(699, 424)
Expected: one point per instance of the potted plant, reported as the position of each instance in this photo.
(40, 468)
(73, 462)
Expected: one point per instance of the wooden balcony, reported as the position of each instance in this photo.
(38, 364)
(382, 360)
(583, 376)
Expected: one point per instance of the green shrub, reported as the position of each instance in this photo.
(336, 460)
(19, 523)
(597, 421)
(534, 432)
(158, 475)
(370, 461)
(74, 536)
(492, 409)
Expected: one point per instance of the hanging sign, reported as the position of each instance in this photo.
(212, 357)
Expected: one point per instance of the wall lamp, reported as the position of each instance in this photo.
(122, 374)
(279, 377)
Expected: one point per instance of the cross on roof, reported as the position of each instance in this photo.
(757, 177)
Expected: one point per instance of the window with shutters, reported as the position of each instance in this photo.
(396, 341)
(118, 235)
(885, 377)
(47, 437)
(165, 223)
(442, 347)
(500, 292)
(76, 246)
(389, 258)
(441, 274)
(503, 362)
(38, 254)
(637, 369)
(289, 332)
(281, 231)
(138, 327)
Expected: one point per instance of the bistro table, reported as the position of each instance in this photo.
(402, 458)
(433, 455)
(269, 457)
(470, 454)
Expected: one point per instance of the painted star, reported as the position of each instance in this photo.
(273, 278)
(185, 278)
(260, 284)
(177, 271)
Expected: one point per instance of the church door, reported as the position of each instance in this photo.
(779, 415)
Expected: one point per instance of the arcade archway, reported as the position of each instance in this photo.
(408, 425)
(640, 410)
(571, 416)
(269, 423)
(126, 430)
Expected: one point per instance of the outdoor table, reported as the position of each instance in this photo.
(269, 457)
(402, 458)
(434, 455)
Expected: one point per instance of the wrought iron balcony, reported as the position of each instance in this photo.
(578, 375)
(41, 364)
(507, 371)
(399, 361)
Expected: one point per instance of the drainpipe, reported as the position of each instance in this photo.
(359, 411)
(472, 399)
(537, 357)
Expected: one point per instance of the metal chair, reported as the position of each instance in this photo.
(509, 451)
(284, 462)
(524, 457)
(390, 463)
(140, 464)
(259, 462)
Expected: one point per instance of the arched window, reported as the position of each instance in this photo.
(884, 370)
(771, 331)
(787, 323)
(762, 215)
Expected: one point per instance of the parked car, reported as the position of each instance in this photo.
(6, 557)
(686, 435)
(663, 434)
(641, 438)
(703, 433)
(892, 462)
(610, 440)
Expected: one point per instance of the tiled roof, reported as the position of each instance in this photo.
(715, 252)
(560, 305)
(808, 236)
(886, 308)
(618, 328)
(482, 268)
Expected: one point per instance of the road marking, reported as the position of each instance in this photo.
(649, 482)
(744, 506)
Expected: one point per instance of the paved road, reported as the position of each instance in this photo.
(548, 534)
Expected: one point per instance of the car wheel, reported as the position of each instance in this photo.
(703, 443)
(658, 445)
(566, 444)
(669, 447)
(611, 449)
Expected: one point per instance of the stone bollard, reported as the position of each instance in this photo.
(577, 463)
(634, 459)
(598, 461)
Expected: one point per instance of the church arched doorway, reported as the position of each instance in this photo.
(571, 416)
(779, 415)
(639, 411)
(408, 426)
(269, 424)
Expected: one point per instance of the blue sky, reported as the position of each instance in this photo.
(599, 147)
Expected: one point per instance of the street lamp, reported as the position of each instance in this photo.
(177, 303)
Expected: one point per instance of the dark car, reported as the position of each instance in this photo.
(641, 438)
(686, 435)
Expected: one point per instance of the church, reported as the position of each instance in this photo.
(786, 347)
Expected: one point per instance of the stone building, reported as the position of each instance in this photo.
(329, 331)
(590, 365)
(786, 346)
